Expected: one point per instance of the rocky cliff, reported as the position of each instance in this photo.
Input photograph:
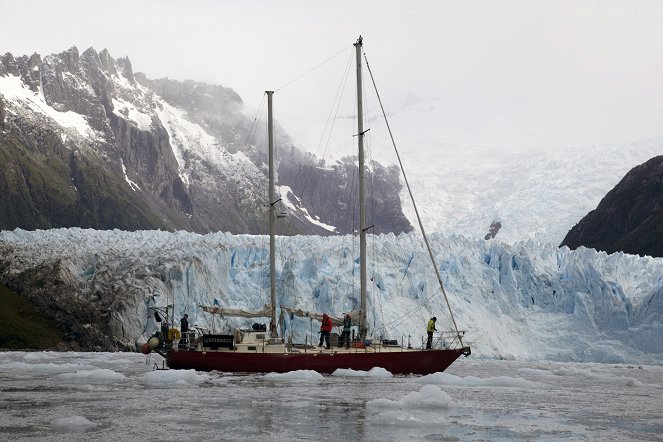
(629, 218)
(86, 142)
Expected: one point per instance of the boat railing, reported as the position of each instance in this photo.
(448, 339)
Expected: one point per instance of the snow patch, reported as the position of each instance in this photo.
(133, 185)
(16, 92)
(130, 112)
(285, 192)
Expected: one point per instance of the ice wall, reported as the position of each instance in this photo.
(523, 301)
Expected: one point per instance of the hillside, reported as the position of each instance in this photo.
(86, 142)
(629, 218)
(24, 326)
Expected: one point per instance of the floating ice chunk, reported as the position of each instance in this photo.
(582, 373)
(430, 396)
(37, 356)
(375, 372)
(302, 375)
(72, 423)
(168, 378)
(473, 381)
(534, 372)
(45, 368)
(96, 375)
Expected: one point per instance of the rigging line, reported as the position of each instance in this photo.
(374, 184)
(410, 313)
(335, 103)
(414, 205)
(313, 68)
(338, 98)
(254, 124)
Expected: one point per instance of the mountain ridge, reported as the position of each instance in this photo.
(145, 154)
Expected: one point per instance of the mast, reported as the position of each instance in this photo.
(272, 253)
(362, 197)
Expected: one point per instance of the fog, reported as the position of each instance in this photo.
(512, 75)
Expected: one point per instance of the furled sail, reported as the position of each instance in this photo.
(265, 312)
(318, 316)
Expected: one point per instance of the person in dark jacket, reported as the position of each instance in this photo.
(345, 336)
(325, 330)
(184, 328)
(429, 330)
(164, 333)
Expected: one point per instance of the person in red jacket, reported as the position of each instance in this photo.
(325, 330)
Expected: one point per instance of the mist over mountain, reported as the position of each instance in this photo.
(86, 142)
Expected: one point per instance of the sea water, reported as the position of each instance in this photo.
(48, 396)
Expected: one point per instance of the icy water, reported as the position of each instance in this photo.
(118, 396)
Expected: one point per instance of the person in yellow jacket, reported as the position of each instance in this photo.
(430, 329)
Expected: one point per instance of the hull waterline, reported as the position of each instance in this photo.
(396, 362)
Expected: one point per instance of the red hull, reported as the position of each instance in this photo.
(396, 362)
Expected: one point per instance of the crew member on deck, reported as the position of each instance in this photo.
(184, 328)
(325, 330)
(164, 333)
(430, 329)
(345, 336)
(184, 324)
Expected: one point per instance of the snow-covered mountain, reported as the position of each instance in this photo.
(536, 193)
(526, 301)
(86, 142)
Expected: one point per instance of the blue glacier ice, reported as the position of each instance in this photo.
(524, 301)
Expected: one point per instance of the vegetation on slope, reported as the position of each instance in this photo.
(24, 327)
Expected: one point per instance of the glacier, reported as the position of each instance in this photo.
(525, 301)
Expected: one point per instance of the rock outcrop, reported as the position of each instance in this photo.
(629, 218)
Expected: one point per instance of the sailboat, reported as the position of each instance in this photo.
(261, 349)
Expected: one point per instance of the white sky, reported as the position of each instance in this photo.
(510, 74)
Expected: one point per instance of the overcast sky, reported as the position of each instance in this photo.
(507, 74)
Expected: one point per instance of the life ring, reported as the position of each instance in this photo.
(153, 342)
(173, 334)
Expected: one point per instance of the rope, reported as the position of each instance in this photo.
(334, 110)
(312, 69)
(413, 311)
(254, 124)
(414, 205)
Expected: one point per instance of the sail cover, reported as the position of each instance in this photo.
(265, 312)
(318, 316)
